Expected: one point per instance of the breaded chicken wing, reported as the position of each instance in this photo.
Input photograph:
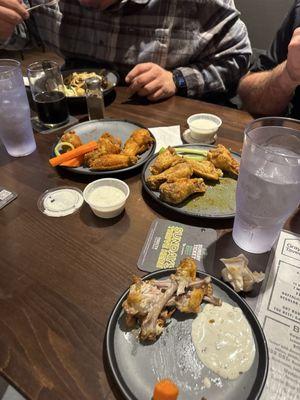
(206, 169)
(138, 142)
(107, 144)
(181, 170)
(72, 138)
(165, 160)
(112, 161)
(178, 191)
(221, 158)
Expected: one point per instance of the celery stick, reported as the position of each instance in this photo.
(195, 157)
(188, 150)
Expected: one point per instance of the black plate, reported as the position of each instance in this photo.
(136, 368)
(92, 130)
(217, 202)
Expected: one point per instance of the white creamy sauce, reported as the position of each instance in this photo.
(223, 340)
(203, 124)
(104, 196)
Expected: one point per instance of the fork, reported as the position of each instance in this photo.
(48, 4)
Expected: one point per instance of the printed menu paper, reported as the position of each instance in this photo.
(279, 314)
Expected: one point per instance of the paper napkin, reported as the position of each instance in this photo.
(166, 136)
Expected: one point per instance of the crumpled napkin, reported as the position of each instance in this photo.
(166, 136)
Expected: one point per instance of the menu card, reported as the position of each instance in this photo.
(279, 314)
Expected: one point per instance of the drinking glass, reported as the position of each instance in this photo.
(268, 188)
(15, 125)
(47, 88)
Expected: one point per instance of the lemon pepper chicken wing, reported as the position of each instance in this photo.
(112, 161)
(206, 170)
(165, 160)
(140, 140)
(221, 158)
(178, 171)
(178, 191)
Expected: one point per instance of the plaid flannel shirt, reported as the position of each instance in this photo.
(204, 39)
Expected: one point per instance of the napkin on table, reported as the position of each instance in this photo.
(166, 136)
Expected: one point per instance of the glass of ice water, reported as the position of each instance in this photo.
(268, 188)
(15, 125)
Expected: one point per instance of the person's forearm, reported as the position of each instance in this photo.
(268, 92)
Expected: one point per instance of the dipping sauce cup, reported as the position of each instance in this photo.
(268, 188)
(203, 127)
(106, 197)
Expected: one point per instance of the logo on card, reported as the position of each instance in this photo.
(291, 248)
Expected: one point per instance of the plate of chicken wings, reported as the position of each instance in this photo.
(121, 146)
(149, 337)
(195, 180)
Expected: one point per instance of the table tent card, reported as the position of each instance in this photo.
(169, 242)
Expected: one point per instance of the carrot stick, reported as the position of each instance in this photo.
(74, 162)
(165, 390)
(85, 148)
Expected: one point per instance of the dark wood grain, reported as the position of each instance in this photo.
(60, 278)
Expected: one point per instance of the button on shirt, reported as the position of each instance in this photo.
(204, 39)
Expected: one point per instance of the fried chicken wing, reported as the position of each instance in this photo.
(206, 170)
(72, 138)
(221, 158)
(165, 160)
(112, 161)
(107, 144)
(138, 142)
(178, 171)
(150, 303)
(178, 191)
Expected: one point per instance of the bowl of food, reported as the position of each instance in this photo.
(106, 197)
(203, 127)
(74, 85)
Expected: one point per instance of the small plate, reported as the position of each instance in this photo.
(187, 138)
(217, 202)
(92, 130)
(136, 367)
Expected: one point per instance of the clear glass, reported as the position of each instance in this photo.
(15, 125)
(48, 93)
(268, 188)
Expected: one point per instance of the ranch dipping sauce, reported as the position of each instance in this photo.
(203, 124)
(223, 340)
(106, 196)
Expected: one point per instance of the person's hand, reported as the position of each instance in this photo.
(293, 58)
(12, 13)
(152, 81)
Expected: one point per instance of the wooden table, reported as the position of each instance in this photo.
(60, 278)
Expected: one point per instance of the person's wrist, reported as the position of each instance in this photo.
(179, 82)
